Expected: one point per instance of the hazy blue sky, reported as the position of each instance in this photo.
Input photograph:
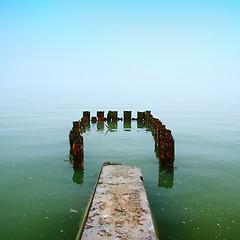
(161, 50)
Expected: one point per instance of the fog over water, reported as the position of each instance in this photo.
(178, 52)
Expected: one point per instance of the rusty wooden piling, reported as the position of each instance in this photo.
(76, 125)
(94, 119)
(162, 136)
(86, 115)
(76, 145)
(109, 116)
(100, 116)
(163, 139)
(85, 120)
(140, 116)
(127, 116)
(112, 116)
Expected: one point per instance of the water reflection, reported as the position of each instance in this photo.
(165, 174)
(165, 177)
(85, 128)
(113, 125)
(100, 126)
(127, 126)
(141, 124)
(78, 175)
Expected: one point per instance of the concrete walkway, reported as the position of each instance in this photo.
(120, 208)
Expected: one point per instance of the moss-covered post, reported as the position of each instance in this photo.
(140, 116)
(114, 116)
(127, 116)
(109, 116)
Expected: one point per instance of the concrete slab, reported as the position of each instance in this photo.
(120, 208)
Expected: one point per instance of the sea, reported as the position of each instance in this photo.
(43, 197)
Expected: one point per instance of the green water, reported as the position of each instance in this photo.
(41, 197)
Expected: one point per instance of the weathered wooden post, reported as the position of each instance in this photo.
(163, 139)
(114, 116)
(94, 119)
(76, 145)
(164, 142)
(166, 148)
(86, 115)
(100, 116)
(73, 132)
(140, 116)
(109, 116)
(76, 125)
(147, 116)
(127, 116)
(113, 125)
(85, 121)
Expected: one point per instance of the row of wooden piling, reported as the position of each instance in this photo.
(163, 137)
(112, 116)
(163, 140)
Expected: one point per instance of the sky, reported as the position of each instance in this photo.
(176, 51)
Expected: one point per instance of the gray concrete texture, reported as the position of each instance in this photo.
(120, 208)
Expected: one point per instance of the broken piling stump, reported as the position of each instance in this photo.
(112, 116)
(119, 207)
(127, 116)
(76, 145)
(86, 114)
(94, 119)
(109, 116)
(164, 140)
(140, 116)
(100, 116)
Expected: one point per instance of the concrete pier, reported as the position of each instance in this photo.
(119, 207)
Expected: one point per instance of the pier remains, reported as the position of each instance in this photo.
(164, 141)
(119, 208)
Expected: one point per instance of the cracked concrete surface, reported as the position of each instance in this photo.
(120, 208)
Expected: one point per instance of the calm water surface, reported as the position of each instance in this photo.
(42, 197)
